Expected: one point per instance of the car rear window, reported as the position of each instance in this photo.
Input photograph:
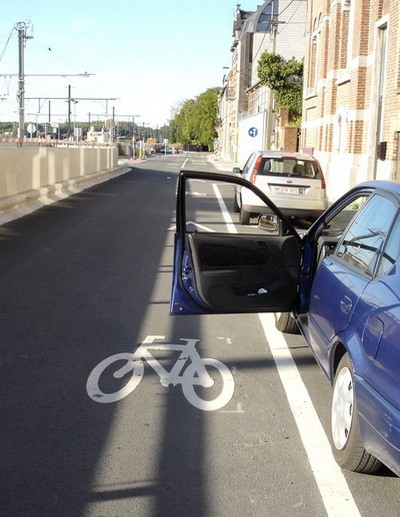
(289, 167)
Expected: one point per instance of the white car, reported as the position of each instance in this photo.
(293, 181)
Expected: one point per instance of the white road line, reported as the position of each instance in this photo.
(332, 485)
(226, 215)
(336, 495)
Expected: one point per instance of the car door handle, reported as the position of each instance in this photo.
(261, 245)
(346, 304)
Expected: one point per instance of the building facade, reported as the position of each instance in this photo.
(247, 118)
(351, 98)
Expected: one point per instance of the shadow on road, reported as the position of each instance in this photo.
(77, 278)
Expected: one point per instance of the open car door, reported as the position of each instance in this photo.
(223, 267)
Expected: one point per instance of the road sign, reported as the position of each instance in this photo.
(31, 128)
(253, 132)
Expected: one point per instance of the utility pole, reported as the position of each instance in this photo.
(21, 28)
(274, 31)
(271, 95)
(133, 120)
(22, 37)
(72, 100)
(133, 131)
(69, 111)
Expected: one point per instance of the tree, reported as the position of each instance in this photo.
(6, 127)
(184, 122)
(285, 78)
(194, 121)
(205, 113)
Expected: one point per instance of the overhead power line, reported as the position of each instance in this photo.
(21, 28)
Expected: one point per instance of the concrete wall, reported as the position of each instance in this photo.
(29, 173)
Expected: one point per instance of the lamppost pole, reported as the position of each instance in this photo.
(21, 28)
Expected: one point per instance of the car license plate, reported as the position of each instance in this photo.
(290, 190)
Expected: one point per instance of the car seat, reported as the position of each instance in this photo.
(298, 170)
(267, 167)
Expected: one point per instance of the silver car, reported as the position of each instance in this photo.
(293, 181)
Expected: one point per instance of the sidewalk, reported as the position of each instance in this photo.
(220, 164)
(129, 161)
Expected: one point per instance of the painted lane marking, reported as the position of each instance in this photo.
(237, 410)
(225, 213)
(190, 370)
(196, 194)
(332, 485)
(196, 225)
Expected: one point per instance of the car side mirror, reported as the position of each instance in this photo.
(270, 223)
(237, 171)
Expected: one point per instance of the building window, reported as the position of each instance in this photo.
(340, 133)
(313, 59)
(398, 54)
(351, 6)
(346, 41)
(267, 16)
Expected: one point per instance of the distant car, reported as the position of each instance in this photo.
(339, 284)
(293, 181)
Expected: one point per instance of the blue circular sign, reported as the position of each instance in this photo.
(253, 131)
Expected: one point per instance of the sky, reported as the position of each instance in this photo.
(146, 56)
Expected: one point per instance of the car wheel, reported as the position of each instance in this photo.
(347, 446)
(244, 217)
(285, 323)
(236, 207)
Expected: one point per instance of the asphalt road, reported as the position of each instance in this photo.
(90, 277)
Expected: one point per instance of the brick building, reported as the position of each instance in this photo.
(247, 117)
(351, 104)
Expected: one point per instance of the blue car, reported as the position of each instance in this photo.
(338, 283)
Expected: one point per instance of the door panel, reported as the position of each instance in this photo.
(245, 273)
(334, 295)
(222, 266)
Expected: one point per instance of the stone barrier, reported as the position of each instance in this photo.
(28, 174)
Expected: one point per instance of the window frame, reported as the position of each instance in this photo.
(372, 268)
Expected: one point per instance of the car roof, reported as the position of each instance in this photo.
(385, 185)
(288, 154)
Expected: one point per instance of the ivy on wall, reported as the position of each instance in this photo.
(285, 79)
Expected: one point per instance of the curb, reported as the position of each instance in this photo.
(222, 165)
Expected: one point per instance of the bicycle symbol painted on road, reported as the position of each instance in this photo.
(190, 370)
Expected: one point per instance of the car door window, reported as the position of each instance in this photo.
(333, 229)
(391, 252)
(363, 241)
(207, 207)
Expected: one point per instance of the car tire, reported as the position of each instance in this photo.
(244, 217)
(286, 323)
(347, 446)
(236, 207)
